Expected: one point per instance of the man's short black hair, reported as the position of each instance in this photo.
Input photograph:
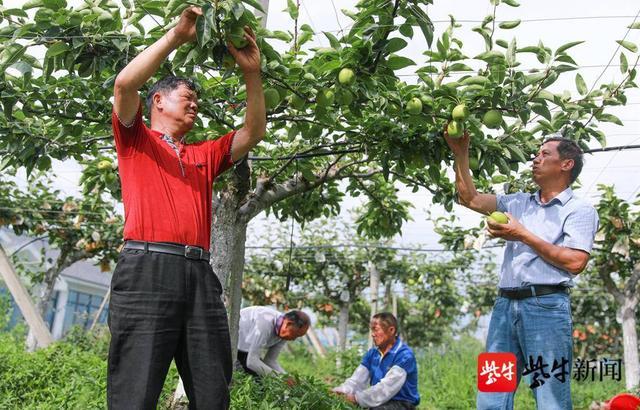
(166, 85)
(298, 318)
(387, 319)
(568, 149)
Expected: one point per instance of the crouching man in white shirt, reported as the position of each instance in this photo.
(265, 329)
(387, 378)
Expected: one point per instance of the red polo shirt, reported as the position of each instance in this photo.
(167, 199)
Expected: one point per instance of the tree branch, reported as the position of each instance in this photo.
(610, 285)
(293, 186)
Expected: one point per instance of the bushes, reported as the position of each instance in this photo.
(308, 393)
(59, 377)
(72, 374)
(69, 374)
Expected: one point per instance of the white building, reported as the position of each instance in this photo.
(78, 292)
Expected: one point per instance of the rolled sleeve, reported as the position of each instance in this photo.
(580, 229)
(357, 382)
(509, 202)
(271, 358)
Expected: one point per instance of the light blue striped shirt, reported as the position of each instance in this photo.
(564, 221)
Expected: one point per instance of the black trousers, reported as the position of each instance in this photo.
(242, 358)
(166, 307)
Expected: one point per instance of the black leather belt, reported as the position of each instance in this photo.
(540, 290)
(189, 252)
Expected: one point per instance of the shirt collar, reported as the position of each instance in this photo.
(278, 324)
(563, 197)
(393, 349)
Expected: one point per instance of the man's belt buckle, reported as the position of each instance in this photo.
(192, 252)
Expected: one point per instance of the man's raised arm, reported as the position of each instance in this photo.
(141, 68)
(255, 121)
(467, 193)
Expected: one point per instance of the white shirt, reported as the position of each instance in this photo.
(258, 333)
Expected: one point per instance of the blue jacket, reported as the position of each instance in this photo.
(399, 355)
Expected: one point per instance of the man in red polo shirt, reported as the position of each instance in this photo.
(165, 298)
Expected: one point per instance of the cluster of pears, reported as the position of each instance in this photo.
(455, 128)
(325, 96)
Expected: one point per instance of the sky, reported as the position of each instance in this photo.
(598, 23)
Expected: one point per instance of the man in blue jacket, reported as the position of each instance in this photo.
(387, 378)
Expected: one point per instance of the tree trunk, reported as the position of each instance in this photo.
(228, 236)
(630, 342)
(343, 324)
(374, 278)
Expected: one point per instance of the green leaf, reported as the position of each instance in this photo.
(424, 22)
(542, 109)
(333, 40)
(292, 9)
(546, 95)
(459, 67)
(255, 4)
(57, 48)
(477, 80)
(530, 49)
(624, 65)
(508, 25)
(517, 152)
(609, 118)
(396, 62)
(395, 44)
(581, 85)
(281, 35)
(55, 5)
(635, 26)
(11, 54)
(567, 46)
(628, 45)
(15, 12)
(511, 53)
(490, 56)
(565, 58)
(406, 30)
(511, 3)
(237, 10)
(23, 67)
(553, 76)
(330, 66)
(204, 25)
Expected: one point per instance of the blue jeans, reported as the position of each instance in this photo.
(533, 328)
